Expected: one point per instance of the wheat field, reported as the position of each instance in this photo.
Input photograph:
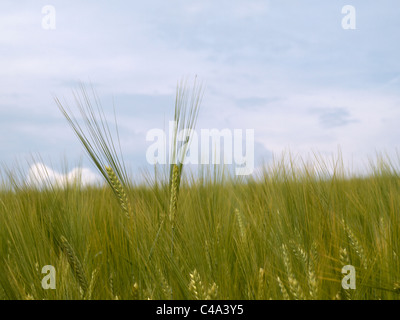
(285, 233)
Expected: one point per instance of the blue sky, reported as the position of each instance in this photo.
(285, 68)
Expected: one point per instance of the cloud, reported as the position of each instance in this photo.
(288, 71)
(335, 117)
(41, 176)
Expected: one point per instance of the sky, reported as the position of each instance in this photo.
(285, 68)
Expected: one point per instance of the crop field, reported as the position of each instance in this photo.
(284, 233)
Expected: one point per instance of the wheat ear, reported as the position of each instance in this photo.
(173, 204)
(356, 246)
(75, 264)
(285, 294)
(88, 295)
(120, 192)
(242, 230)
(212, 292)
(165, 287)
(196, 286)
(294, 286)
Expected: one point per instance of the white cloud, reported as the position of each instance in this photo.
(41, 176)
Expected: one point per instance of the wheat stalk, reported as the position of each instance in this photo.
(295, 289)
(75, 264)
(199, 291)
(165, 287)
(242, 230)
(119, 191)
(355, 245)
(309, 266)
(208, 256)
(212, 292)
(294, 286)
(312, 280)
(284, 292)
(88, 295)
(173, 204)
(111, 284)
(195, 285)
(261, 284)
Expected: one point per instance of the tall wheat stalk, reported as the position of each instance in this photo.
(93, 131)
(187, 104)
